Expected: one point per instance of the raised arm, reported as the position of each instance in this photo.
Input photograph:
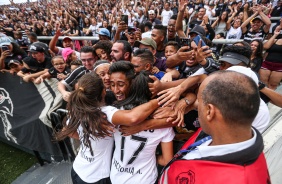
(214, 24)
(265, 20)
(245, 12)
(272, 40)
(179, 27)
(228, 23)
(53, 42)
(121, 27)
(244, 25)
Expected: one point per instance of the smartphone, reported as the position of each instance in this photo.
(124, 18)
(197, 40)
(185, 42)
(4, 48)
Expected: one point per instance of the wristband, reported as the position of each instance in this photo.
(261, 85)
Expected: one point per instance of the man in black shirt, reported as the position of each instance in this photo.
(42, 65)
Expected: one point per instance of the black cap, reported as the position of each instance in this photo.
(30, 61)
(234, 58)
(131, 29)
(199, 30)
(36, 48)
(13, 61)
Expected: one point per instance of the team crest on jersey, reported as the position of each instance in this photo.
(185, 178)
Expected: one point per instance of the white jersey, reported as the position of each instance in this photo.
(94, 30)
(94, 168)
(234, 33)
(262, 118)
(134, 159)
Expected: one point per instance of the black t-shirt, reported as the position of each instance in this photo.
(274, 53)
(73, 30)
(46, 64)
(53, 72)
(195, 22)
(31, 71)
(35, 66)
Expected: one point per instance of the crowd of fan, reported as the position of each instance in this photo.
(170, 40)
(105, 20)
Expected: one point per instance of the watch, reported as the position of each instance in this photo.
(187, 101)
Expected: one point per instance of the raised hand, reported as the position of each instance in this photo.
(155, 86)
(169, 96)
(182, 5)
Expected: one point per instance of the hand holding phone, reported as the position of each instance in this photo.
(201, 53)
(197, 39)
(124, 18)
(185, 42)
(4, 48)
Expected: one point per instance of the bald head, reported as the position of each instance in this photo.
(234, 94)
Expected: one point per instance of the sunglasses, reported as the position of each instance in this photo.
(131, 33)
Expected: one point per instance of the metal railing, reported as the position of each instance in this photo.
(271, 18)
(72, 37)
(215, 41)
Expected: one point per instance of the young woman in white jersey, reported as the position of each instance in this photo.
(134, 159)
(93, 121)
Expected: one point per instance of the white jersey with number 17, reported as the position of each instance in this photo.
(134, 159)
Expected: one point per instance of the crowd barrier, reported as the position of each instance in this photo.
(25, 113)
(271, 18)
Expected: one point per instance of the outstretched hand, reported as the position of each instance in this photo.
(202, 52)
(183, 54)
(155, 86)
(169, 96)
(182, 5)
(59, 32)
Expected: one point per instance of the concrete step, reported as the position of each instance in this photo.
(53, 173)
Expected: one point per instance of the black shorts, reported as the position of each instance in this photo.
(77, 180)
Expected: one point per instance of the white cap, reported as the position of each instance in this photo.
(151, 12)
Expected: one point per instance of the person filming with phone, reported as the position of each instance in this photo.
(9, 51)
